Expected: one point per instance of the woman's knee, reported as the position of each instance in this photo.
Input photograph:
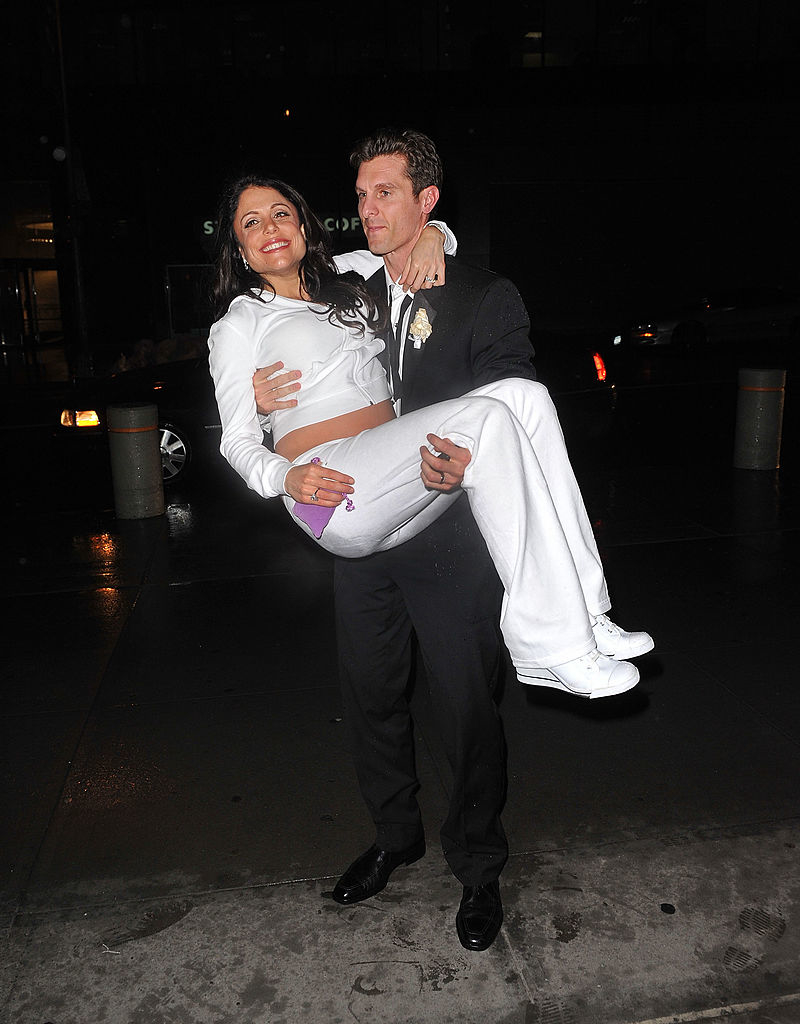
(490, 405)
(520, 387)
(529, 402)
(499, 412)
(470, 423)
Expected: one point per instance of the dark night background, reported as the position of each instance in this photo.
(176, 782)
(601, 153)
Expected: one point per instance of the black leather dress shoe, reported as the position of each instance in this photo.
(369, 874)
(480, 915)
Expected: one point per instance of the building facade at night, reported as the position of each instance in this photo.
(588, 145)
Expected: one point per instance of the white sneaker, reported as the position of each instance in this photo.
(593, 675)
(615, 642)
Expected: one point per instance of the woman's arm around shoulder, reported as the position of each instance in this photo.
(365, 263)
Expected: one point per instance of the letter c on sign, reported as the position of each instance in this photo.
(346, 224)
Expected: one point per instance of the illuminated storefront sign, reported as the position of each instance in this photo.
(343, 224)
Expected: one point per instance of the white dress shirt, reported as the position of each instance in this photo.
(396, 295)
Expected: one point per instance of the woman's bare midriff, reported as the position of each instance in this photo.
(351, 423)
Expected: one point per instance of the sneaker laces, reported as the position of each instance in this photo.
(607, 624)
(592, 656)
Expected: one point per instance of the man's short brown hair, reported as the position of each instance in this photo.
(422, 160)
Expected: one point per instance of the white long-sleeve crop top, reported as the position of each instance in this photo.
(340, 368)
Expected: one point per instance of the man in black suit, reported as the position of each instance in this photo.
(444, 341)
(441, 585)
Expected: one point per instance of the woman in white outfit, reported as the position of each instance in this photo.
(349, 471)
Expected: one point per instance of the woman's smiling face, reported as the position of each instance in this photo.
(270, 236)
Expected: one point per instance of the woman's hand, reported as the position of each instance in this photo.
(270, 390)
(328, 486)
(425, 266)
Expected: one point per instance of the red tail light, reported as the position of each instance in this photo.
(599, 366)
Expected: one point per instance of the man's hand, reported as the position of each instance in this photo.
(317, 483)
(443, 472)
(425, 266)
(270, 390)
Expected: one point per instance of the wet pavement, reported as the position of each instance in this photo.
(178, 796)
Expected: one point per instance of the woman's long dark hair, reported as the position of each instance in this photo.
(345, 295)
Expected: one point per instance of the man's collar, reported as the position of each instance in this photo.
(394, 288)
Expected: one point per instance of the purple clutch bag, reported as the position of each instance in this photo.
(314, 516)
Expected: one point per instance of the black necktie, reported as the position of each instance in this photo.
(394, 352)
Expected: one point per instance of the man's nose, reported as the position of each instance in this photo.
(367, 208)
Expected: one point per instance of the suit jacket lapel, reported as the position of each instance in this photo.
(377, 285)
(412, 357)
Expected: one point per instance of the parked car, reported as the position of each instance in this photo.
(188, 419)
(709, 339)
(738, 315)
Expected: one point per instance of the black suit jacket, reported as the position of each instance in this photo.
(480, 334)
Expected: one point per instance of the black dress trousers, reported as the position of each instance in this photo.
(442, 584)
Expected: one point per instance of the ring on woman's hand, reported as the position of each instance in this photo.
(441, 474)
(430, 280)
(314, 496)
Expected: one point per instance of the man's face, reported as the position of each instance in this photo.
(391, 215)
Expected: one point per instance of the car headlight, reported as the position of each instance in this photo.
(79, 418)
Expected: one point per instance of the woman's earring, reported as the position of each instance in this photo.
(246, 264)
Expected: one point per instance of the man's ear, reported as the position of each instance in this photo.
(303, 230)
(430, 197)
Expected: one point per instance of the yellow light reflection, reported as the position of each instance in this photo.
(108, 602)
(103, 546)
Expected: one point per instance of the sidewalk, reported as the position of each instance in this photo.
(179, 796)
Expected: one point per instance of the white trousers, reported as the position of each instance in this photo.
(523, 495)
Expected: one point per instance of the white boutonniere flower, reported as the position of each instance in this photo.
(420, 330)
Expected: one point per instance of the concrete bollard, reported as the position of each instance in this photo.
(135, 461)
(759, 419)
